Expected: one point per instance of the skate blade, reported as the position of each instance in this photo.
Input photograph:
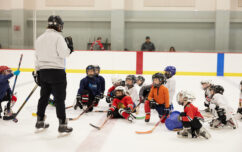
(8, 117)
(40, 130)
(63, 134)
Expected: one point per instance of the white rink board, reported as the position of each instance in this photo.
(105, 59)
(185, 62)
(233, 63)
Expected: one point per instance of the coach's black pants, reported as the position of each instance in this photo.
(52, 81)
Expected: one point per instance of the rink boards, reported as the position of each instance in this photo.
(137, 62)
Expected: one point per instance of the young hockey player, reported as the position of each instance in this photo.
(206, 84)
(220, 108)
(158, 98)
(89, 91)
(140, 81)
(240, 101)
(5, 90)
(122, 105)
(100, 79)
(170, 71)
(192, 127)
(110, 94)
(130, 89)
(144, 92)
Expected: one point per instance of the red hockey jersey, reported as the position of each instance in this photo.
(125, 102)
(191, 112)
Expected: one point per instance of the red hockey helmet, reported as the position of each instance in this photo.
(3, 68)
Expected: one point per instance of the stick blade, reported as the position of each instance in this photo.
(71, 119)
(144, 132)
(142, 117)
(98, 128)
(34, 114)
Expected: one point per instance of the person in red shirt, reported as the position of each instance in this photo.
(97, 45)
(122, 105)
(192, 127)
(110, 94)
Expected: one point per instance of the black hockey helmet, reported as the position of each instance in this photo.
(161, 78)
(90, 67)
(56, 23)
(241, 82)
(97, 67)
(140, 78)
(131, 77)
(217, 89)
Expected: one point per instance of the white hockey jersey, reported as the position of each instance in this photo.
(220, 101)
(171, 85)
(133, 94)
(207, 96)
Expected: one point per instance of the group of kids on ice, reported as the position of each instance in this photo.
(123, 99)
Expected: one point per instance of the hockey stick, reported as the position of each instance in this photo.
(99, 128)
(81, 113)
(68, 107)
(15, 114)
(14, 84)
(150, 131)
(35, 114)
(100, 111)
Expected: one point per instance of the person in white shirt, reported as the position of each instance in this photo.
(206, 84)
(51, 50)
(220, 108)
(130, 89)
(240, 101)
(170, 71)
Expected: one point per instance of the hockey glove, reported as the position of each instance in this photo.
(183, 114)
(69, 43)
(166, 111)
(85, 98)
(109, 99)
(206, 104)
(239, 110)
(110, 113)
(78, 102)
(153, 104)
(101, 95)
(78, 98)
(128, 110)
(16, 72)
(36, 76)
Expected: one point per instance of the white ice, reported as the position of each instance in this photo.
(117, 135)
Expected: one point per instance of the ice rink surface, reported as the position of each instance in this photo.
(117, 135)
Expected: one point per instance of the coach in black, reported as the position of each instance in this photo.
(51, 50)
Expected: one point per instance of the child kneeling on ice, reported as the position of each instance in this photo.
(192, 127)
(122, 105)
(6, 93)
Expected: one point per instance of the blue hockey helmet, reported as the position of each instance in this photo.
(171, 71)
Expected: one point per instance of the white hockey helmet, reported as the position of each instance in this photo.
(120, 88)
(184, 96)
(206, 82)
(116, 80)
